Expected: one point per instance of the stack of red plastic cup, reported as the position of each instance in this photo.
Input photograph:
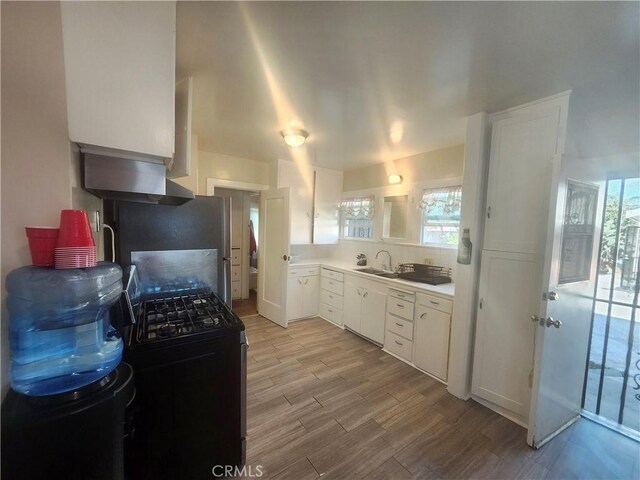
(75, 248)
(42, 244)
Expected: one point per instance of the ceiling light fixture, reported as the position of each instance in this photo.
(395, 179)
(294, 137)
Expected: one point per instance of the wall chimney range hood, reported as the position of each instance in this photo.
(131, 180)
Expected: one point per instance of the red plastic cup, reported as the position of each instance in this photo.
(42, 245)
(75, 230)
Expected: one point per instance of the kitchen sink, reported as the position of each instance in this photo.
(377, 272)
(386, 275)
(371, 270)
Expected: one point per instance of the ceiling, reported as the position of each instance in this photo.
(374, 81)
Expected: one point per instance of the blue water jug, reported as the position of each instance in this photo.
(60, 333)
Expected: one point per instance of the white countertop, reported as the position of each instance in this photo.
(446, 289)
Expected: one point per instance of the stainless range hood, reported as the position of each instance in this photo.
(117, 178)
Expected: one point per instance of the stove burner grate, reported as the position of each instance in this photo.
(175, 316)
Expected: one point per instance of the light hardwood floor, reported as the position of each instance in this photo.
(324, 402)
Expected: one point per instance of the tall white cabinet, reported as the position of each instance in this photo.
(315, 195)
(524, 141)
(120, 74)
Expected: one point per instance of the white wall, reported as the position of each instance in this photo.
(228, 167)
(40, 167)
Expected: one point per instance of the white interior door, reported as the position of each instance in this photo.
(274, 255)
(560, 353)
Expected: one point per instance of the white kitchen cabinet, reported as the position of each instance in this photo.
(352, 306)
(299, 179)
(503, 356)
(525, 140)
(431, 343)
(120, 75)
(326, 203)
(522, 150)
(332, 292)
(181, 164)
(364, 308)
(303, 289)
(315, 195)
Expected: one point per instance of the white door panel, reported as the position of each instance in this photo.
(372, 316)
(561, 353)
(311, 295)
(431, 345)
(273, 259)
(503, 356)
(522, 149)
(352, 306)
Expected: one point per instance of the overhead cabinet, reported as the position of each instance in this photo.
(120, 75)
(314, 201)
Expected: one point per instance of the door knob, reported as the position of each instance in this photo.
(550, 322)
(550, 296)
(286, 258)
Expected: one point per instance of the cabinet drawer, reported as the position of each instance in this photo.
(235, 274)
(235, 290)
(332, 274)
(332, 299)
(402, 295)
(398, 345)
(435, 302)
(333, 286)
(331, 313)
(400, 308)
(400, 326)
(235, 256)
(303, 271)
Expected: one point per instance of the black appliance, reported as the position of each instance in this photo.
(71, 436)
(185, 344)
(203, 223)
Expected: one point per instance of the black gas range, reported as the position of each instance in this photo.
(180, 315)
(188, 351)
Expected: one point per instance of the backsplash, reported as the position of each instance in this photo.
(347, 250)
(314, 251)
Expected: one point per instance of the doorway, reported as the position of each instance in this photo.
(611, 393)
(245, 216)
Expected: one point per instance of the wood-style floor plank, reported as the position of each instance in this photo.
(323, 402)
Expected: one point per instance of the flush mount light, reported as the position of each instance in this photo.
(395, 179)
(294, 137)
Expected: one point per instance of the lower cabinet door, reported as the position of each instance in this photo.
(431, 343)
(372, 315)
(294, 298)
(503, 354)
(310, 296)
(352, 307)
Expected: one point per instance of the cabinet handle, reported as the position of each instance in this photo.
(306, 280)
(365, 294)
(329, 310)
(399, 343)
(489, 212)
(434, 303)
(330, 296)
(400, 295)
(300, 281)
(422, 316)
(399, 305)
(399, 324)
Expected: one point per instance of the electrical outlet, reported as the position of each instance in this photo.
(428, 261)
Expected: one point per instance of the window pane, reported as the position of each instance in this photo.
(357, 217)
(441, 215)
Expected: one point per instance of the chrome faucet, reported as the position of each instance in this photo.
(384, 266)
